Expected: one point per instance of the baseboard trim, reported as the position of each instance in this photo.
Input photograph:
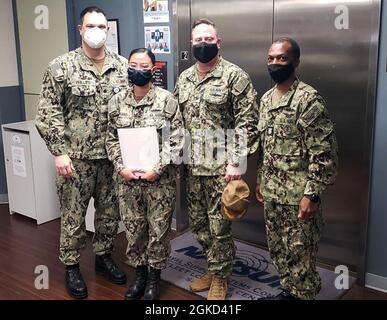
(376, 282)
(3, 198)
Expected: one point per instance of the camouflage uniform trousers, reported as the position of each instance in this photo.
(146, 210)
(211, 230)
(293, 245)
(92, 178)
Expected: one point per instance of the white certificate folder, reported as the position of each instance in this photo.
(139, 147)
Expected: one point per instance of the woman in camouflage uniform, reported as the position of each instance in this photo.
(146, 198)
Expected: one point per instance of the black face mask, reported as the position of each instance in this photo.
(205, 52)
(139, 77)
(280, 72)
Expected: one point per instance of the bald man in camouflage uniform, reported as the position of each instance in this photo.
(214, 94)
(298, 160)
(72, 119)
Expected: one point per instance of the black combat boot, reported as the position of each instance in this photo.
(152, 291)
(136, 290)
(75, 284)
(105, 266)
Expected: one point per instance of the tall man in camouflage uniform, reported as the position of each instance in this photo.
(214, 95)
(72, 119)
(298, 160)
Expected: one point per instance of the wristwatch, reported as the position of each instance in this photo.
(313, 197)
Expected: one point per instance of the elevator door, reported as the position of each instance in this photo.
(338, 43)
(338, 57)
(245, 28)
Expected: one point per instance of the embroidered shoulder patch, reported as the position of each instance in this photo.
(241, 85)
(57, 71)
(170, 108)
(312, 114)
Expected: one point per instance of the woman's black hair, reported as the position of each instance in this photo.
(144, 50)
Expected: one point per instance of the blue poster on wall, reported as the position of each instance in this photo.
(157, 39)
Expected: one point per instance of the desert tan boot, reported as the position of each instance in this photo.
(202, 284)
(218, 289)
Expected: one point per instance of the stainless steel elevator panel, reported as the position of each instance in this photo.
(337, 59)
(245, 28)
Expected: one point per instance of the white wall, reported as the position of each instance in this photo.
(8, 60)
(39, 46)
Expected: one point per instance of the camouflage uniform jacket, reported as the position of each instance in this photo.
(158, 109)
(72, 108)
(224, 99)
(298, 148)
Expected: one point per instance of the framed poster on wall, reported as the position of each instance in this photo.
(160, 77)
(155, 11)
(157, 39)
(113, 36)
